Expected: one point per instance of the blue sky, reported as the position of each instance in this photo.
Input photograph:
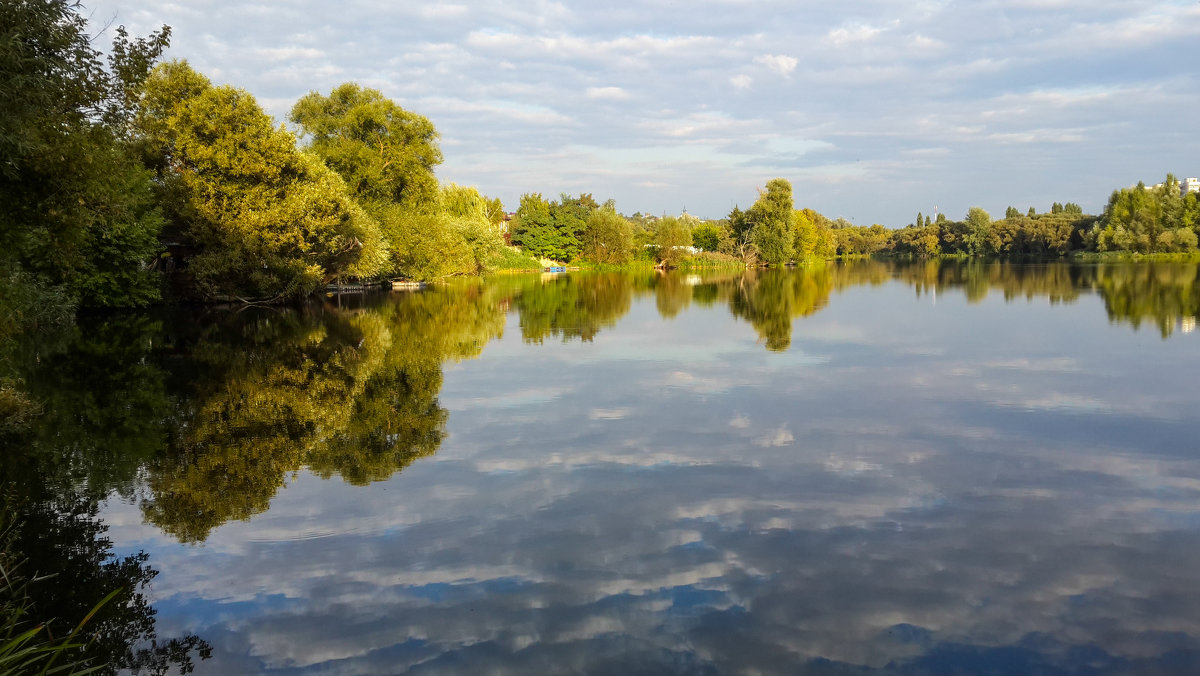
(874, 110)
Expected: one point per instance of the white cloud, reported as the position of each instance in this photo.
(289, 53)
(741, 81)
(851, 34)
(779, 63)
(444, 11)
(608, 93)
(780, 437)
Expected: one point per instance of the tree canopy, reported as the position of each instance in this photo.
(382, 151)
(78, 209)
(268, 220)
(771, 228)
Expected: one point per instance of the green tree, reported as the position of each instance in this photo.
(806, 234)
(78, 209)
(739, 224)
(672, 237)
(533, 228)
(552, 229)
(771, 216)
(706, 237)
(471, 216)
(269, 220)
(607, 237)
(978, 232)
(382, 151)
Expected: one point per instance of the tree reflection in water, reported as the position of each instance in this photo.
(203, 420)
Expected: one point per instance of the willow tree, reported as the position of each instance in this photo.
(453, 235)
(268, 219)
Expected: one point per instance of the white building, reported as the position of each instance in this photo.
(1189, 185)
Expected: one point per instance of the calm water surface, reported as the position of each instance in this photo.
(866, 468)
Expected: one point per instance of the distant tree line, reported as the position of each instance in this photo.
(1138, 220)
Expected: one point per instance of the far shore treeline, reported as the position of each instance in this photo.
(127, 181)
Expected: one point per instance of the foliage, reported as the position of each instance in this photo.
(672, 240)
(771, 217)
(862, 241)
(99, 622)
(740, 225)
(711, 259)
(78, 210)
(17, 410)
(573, 306)
(382, 151)
(512, 258)
(814, 236)
(28, 304)
(1149, 220)
(706, 237)
(471, 216)
(552, 229)
(269, 220)
(607, 237)
(978, 227)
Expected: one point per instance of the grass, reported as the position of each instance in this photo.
(512, 258)
(25, 645)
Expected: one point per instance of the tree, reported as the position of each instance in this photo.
(739, 224)
(672, 237)
(533, 227)
(552, 229)
(978, 230)
(382, 151)
(269, 220)
(78, 212)
(771, 216)
(1146, 220)
(805, 234)
(706, 237)
(607, 237)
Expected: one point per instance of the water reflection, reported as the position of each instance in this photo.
(348, 393)
(571, 306)
(888, 487)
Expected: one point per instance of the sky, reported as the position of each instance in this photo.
(873, 109)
